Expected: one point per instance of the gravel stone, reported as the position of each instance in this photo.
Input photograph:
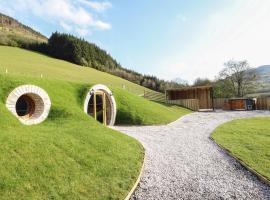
(183, 163)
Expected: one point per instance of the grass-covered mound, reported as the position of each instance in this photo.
(22, 62)
(132, 109)
(69, 156)
(249, 140)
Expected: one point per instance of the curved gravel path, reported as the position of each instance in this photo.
(183, 163)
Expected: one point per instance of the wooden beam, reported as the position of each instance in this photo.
(95, 106)
(104, 109)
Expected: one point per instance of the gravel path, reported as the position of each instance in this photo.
(183, 163)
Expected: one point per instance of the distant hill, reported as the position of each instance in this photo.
(264, 76)
(14, 33)
(263, 73)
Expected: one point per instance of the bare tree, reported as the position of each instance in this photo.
(240, 78)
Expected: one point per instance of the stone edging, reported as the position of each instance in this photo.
(137, 181)
(228, 152)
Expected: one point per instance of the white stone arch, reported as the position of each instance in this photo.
(108, 92)
(38, 96)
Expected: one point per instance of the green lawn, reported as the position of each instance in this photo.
(70, 155)
(22, 62)
(249, 140)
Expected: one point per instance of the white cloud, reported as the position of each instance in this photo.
(103, 26)
(70, 15)
(98, 6)
(65, 26)
(82, 31)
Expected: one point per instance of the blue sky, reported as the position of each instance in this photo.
(169, 39)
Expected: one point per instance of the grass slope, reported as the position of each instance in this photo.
(132, 109)
(249, 140)
(28, 63)
(69, 156)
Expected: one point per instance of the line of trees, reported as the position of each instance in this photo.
(81, 52)
(236, 79)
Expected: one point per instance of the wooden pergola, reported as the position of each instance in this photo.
(204, 95)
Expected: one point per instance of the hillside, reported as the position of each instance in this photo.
(263, 80)
(22, 62)
(73, 49)
(134, 109)
(264, 76)
(14, 33)
(81, 52)
(70, 155)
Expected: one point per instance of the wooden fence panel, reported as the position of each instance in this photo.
(219, 103)
(263, 103)
(192, 104)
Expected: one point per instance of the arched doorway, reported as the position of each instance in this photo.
(100, 104)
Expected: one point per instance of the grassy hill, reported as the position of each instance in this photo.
(263, 81)
(75, 50)
(135, 109)
(13, 33)
(263, 70)
(28, 63)
(70, 155)
(264, 77)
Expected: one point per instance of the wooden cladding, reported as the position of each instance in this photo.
(263, 103)
(192, 104)
(238, 104)
(204, 95)
(201, 98)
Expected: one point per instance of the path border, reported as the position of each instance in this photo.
(242, 163)
(138, 179)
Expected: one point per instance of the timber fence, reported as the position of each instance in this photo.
(192, 104)
(263, 103)
(219, 103)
